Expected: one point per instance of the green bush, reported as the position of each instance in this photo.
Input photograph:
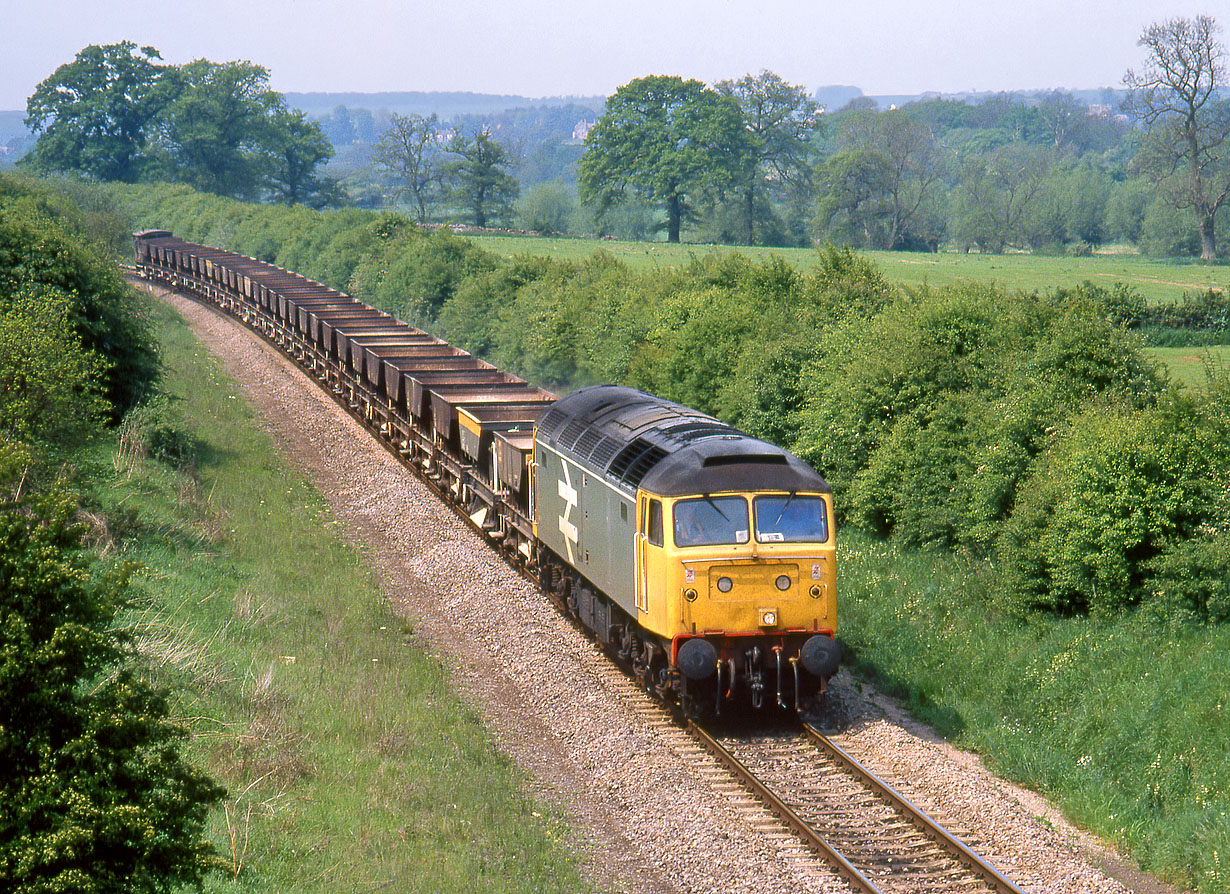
(1121, 492)
(37, 257)
(50, 385)
(927, 415)
(96, 795)
(156, 431)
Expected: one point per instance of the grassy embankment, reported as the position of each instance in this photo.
(350, 763)
(1122, 721)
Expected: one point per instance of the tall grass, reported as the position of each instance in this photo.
(350, 762)
(1123, 721)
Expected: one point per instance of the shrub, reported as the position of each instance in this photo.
(1112, 499)
(155, 430)
(97, 797)
(36, 257)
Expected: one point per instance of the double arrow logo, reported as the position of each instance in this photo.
(568, 494)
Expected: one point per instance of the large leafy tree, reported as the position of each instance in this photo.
(999, 195)
(95, 114)
(669, 141)
(853, 207)
(96, 795)
(218, 131)
(480, 179)
(912, 169)
(1177, 94)
(780, 119)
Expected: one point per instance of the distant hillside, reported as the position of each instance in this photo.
(836, 96)
(446, 105)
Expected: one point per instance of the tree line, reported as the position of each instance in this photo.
(116, 113)
(747, 161)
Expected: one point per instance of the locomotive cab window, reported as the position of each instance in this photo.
(791, 519)
(653, 524)
(710, 521)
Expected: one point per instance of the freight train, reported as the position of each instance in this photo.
(700, 557)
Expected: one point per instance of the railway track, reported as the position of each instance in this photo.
(876, 839)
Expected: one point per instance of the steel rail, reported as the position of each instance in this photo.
(810, 836)
(917, 817)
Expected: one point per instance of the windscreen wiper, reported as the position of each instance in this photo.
(783, 512)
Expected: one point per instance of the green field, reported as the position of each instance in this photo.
(1157, 280)
(1190, 366)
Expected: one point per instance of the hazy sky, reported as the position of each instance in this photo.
(552, 48)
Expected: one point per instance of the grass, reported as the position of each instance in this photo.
(349, 762)
(1190, 366)
(1157, 280)
(1121, 721)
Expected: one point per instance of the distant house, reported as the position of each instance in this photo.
(581, 130)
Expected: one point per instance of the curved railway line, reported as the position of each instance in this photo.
(861, 827)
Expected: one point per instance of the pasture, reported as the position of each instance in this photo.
(1157, 280)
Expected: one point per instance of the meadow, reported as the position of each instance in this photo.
(1157, 280)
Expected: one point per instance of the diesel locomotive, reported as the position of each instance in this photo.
(702, 558)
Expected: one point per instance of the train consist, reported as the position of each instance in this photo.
(699, 556)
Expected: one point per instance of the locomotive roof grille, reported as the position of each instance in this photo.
(589, 439)
(552, 420)
(635, 460)
(604, 452)
(576, 428)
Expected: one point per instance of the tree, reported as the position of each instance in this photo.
(1063, 116)
(218, 131)
(96, 113)
(780, 119)
(667, 140)
(96, 795)
(1176, 95)
(912, 167)
(547, 207)
(853, 207)
(297, 147)
(480, 180)
(998, 194)
(409, 152)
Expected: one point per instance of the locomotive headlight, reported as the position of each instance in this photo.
(725, 584)
(815, 591)
(783, 582)
(690, 594)
(768, 617)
